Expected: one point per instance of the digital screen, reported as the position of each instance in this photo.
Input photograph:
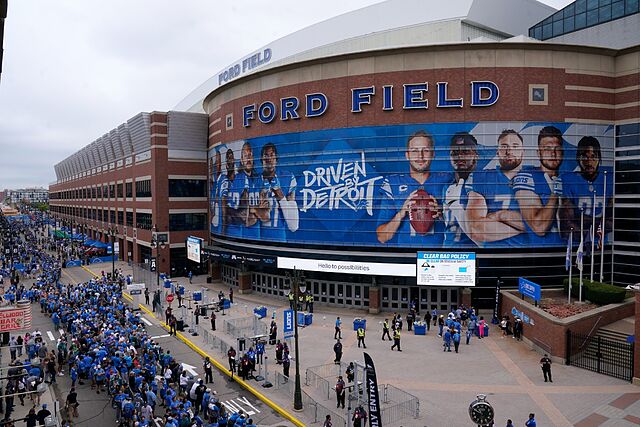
(446, 269)
(194, 248)
(425, 186)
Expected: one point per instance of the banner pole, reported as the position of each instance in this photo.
(593, 233)
(570, 263)
(581, 240)
(604, 227)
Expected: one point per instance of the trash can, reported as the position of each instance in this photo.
(308, 319)
(197, 296)
(203, 311)
(209, 279)
(226, 304)
(180, 325)
(261, 312)
(300, 319)
(419, 329)
(359, 323)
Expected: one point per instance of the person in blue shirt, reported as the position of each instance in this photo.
(492, 216)
(251, 194)
(463, 155)
(277, 209)
(398, 193)
(531, 422)
(578, 189)
(446, 346)
(537, 190)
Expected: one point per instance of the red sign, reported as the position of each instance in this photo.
(15, 319)
(170, 298)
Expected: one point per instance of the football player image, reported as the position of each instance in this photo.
(231, 198)
(463, 155)
(537, 190)
(578, 188)
(277, 199)
(492, 216)
(216, 179)
(250, 196)
(409, 212)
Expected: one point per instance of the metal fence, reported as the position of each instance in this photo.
(602, 355)
(141, 274)
(401, 404)
(215, 343)
(244, 327)
(323, 377)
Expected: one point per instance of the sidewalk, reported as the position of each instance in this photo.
(505, 370)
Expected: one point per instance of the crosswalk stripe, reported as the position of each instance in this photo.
(51, 337)
(145, 321)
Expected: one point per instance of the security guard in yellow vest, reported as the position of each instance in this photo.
(361, 334)
(385, 330)
(292, 299)
(396, 340)
(309, 301)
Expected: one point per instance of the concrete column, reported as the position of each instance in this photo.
(244, 282)
(374, 297)
(465, 297)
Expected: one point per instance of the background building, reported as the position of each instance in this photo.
(148, 172)
(27, 195)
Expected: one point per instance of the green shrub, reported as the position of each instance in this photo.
(596, 292)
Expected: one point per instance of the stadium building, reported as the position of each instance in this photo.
(404, 153)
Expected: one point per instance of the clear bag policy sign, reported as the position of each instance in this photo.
(446, 268)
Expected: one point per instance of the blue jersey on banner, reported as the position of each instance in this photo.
(254, 185)
(535, 180)
(220, 189)
(498, 193)
(454, 236)
(579, 191)
(395, 190)
(276, 228)
(237, 186)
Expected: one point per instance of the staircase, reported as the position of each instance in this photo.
(612, 335)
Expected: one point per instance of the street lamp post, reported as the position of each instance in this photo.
(112, 232)
(157, 245)
(299, 284)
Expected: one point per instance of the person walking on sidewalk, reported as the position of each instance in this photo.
(208, 371)
(286, 364)
(337, 349)
(545, 363)
(456, 339)
(338, 333)
(190, 277)
(172, 325)
(146, 296)
(231, 295)
(396, 340)
(385, 330)
(361, 333)
(340, 392)
(213, 321)
(231, 354)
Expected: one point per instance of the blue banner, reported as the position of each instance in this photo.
(428, 186)
(100, 259)
(529, 289)
(288, 325)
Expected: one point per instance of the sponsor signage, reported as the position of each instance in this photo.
(373, 393)
(153, 265)
(348, 267)
(415, 96)
(522, 315)
(529, 289)
(194, 248)
(249, 63)
(446, 269)
(15, 319)
(237, 257)
(288, 326)
(116, 246)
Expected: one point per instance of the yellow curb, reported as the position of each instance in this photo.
(218, 365)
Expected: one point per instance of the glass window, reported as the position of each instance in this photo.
(628, 177)
(120, 191)
(592, 17)
(187, 221)
(120, 217)
(631, 6)
(581, 6)
(628, 141)
(144, 221)
(605, 13)
(557, 28)
(538, 32)
(187, 188)
(112, 217)
(568, 24)
(548, 20)
(604, 2)
(625, 153)
(532, 32)
(129, 189)
(129, 219)
(592, 4)
(630, 129)
(617, 9)
(570, 10)
(558, 16)
(547, 31)
(143, 188)
(632, 188)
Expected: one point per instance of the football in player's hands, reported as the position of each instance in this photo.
(422, 212)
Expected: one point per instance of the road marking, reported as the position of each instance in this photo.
(160, 336)
(61, 332)
(233, 406)
(146, 321)
(190, 368)
(51, 337)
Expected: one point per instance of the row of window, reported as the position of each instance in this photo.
(582, 14)
(177, 188)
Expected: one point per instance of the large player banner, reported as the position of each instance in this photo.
(427, 186)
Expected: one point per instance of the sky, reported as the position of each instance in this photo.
(75, 69)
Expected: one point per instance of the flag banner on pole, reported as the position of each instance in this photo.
(372, 392)
(580, 255)
(567, 263)
(588, 239)
(600, 236)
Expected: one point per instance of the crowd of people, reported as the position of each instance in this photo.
(104, 347)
